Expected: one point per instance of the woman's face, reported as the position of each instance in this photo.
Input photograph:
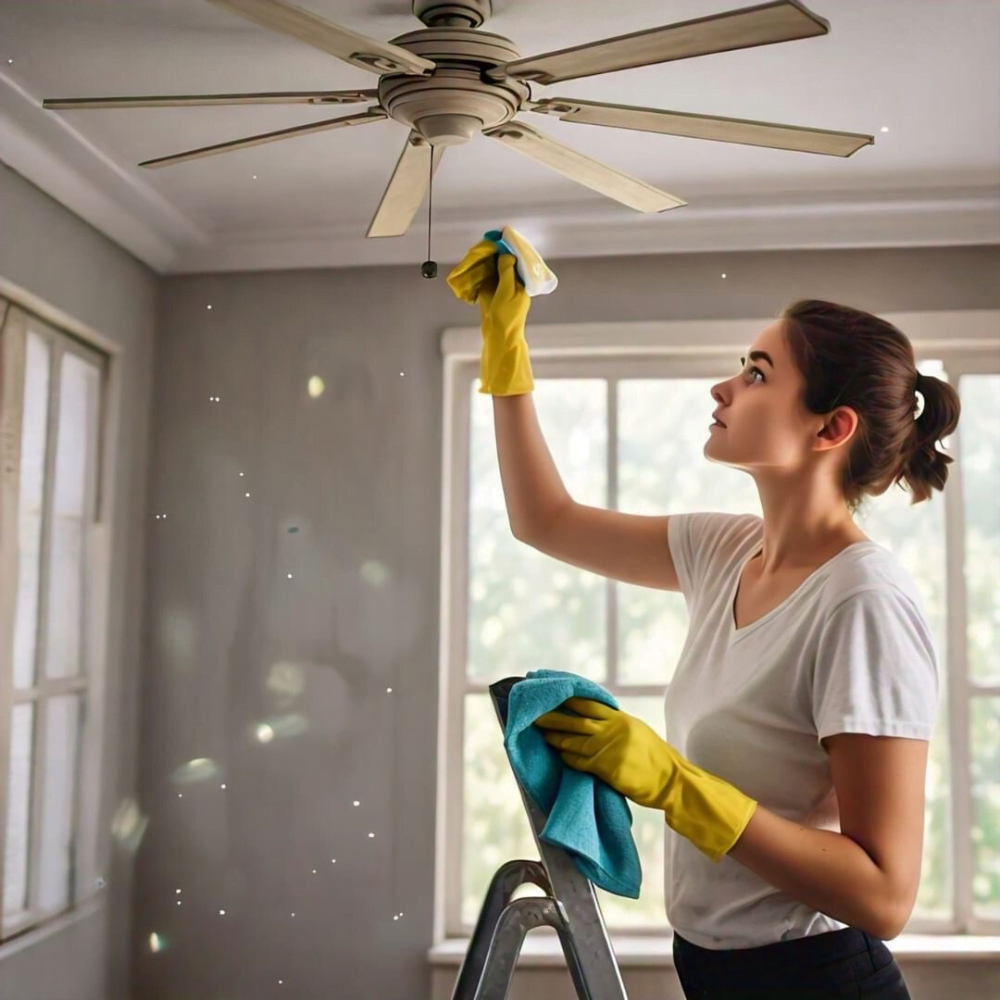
(767, 425)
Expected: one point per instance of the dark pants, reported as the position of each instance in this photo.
(831, 966)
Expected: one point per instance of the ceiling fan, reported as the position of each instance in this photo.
(448, 81)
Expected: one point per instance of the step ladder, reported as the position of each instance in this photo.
(570, 906)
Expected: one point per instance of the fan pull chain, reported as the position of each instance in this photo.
(429, 268)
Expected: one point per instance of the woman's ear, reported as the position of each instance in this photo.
(838, 428)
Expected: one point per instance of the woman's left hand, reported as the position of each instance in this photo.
(626, 753)
(614, 746)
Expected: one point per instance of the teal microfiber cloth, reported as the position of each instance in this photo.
(586, 816)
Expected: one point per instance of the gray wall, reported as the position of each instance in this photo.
(53, 254)
(357, 471)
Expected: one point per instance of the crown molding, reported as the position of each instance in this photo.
(909, 218)
(52, 154)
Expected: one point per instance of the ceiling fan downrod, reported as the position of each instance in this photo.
(452, 14)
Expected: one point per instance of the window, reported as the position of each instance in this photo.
(626, 427)
(51, 413)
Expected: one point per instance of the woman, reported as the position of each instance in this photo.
(804, 699)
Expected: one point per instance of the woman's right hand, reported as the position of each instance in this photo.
(491, 282)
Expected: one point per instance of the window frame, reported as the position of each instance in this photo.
(20, 311)
(686, 349)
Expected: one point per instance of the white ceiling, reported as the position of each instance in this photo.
(928, 70)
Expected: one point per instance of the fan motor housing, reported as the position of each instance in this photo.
(457, 100)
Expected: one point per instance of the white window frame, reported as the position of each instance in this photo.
(686, 349)
(20, 311)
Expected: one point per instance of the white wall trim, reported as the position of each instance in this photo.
(542, 949)
(30, 302)
(927, 331)
(57, 925)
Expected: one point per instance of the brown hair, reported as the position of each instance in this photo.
(852, 358)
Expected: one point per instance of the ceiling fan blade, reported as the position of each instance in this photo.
(578, 167)
(406, 188)
(794, 137)
(779, 21)
(359, 50)
(371, 115)
(205, 100)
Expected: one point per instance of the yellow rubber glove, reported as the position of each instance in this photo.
(476, 269)
(474, 279)
(626, 753)
(491, 281)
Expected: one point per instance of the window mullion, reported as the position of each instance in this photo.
(41, 647)
(51, 687)
(983, 690)
(611, 590)
(958, 690)
(459, 390)
(12, 367)
(87, 754)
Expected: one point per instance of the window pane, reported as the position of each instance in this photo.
(34, 429)
(527, 610)
(650, 909)
(662, 429)
(75, 453)
(980, 468)
(62, 730)
(495, 826)
(15, 877)
(916, 535)
(984, 739)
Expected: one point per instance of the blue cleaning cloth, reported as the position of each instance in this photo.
(496, 235)
(586, 816)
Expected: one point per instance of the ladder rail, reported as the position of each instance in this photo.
(570, 906)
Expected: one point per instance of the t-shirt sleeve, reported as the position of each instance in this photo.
(875, 670)
(703, 543)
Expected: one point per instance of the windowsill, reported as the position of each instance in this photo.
(541, 948)
(51, 928)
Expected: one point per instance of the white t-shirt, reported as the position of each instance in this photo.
(848, 651)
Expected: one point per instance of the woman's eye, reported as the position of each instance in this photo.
(752, 369)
